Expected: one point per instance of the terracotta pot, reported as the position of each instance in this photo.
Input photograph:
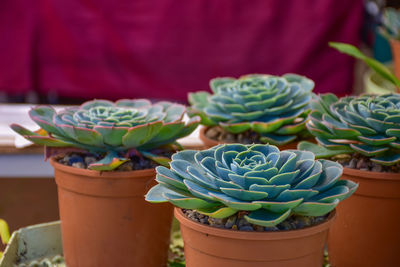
(105, 220)
(395, 45)
(366, 231)
(210, 142)
(207, 141)
(214, 247)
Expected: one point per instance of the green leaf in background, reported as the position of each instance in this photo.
(4, 234)
(320, 151)
(372, 63)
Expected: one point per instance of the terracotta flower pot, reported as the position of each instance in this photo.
(366, 231)
(214, 247)
(105, 220)
(210, 142)
(395, 45)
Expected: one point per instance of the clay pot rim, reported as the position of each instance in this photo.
(102, 174)
(277, 235)
(206, 140)
(211, 142)
(371, 175)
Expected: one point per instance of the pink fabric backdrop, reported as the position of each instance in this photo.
(166, 48)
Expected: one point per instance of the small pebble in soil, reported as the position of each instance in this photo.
(238, 222)
(271, 228)
(79, 165)
(246, 228)
(219, 134)
(126, 166)
(89, 160)
(360, 162)
(230, 222)
(74, 158)
(82, 161)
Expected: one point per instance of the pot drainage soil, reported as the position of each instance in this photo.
(238, 222)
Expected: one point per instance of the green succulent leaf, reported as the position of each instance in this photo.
(387, 159)
(322, 152)
(266, 218)
(218, 82)
(368, 150)
(39, 139)
(43, 116)
(111, 136)
(22, 130)
(278, 207)
(315, 208)
(163, 161)
(235, 127)
(189, 202)
(218, 212)
(48, 141)
(139, 135)
(156, 194)
(292, 128)
(377, 140)
(278, 140)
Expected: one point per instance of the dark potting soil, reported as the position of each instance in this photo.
(363, 163)
(238, 222)
(217, 133)
(83, 160)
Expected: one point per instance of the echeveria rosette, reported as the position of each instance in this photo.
(111, 128)
(368, 124)
(268, 183)
(275, 107)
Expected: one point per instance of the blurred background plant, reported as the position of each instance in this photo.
(4, 234)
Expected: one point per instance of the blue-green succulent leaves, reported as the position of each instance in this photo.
(275, 107)
(268, 183)
(368, 124)
(105, 127)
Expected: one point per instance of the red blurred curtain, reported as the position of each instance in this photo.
(166, 48)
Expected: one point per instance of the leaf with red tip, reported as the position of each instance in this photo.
(22, 130)
(43, 116)
(47, 141)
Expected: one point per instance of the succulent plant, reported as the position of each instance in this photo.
(368, 124)
(110, 129)
(267, 183)
(275, 107)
